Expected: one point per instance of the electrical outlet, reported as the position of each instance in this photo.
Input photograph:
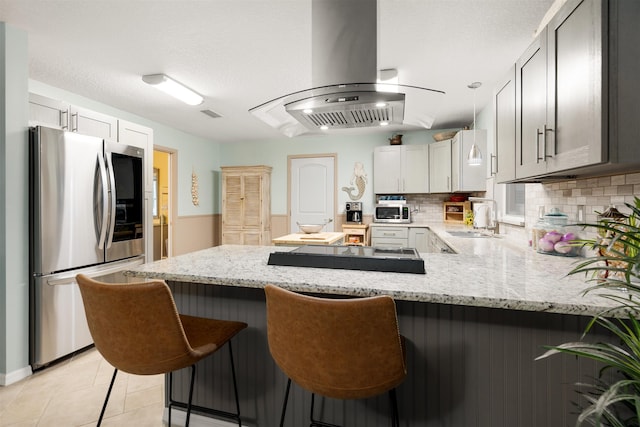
(581, 213)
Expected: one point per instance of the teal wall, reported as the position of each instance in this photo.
(194, 153)
(14, 214)
(349, 149)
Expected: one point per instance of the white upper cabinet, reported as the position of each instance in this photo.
(440, 166)
(449, 171)
(464, 177)
(387, 170)
(576, 86)
(89, 122)
(401, 169)
(49, 112)
(142, 137)
(416, 169)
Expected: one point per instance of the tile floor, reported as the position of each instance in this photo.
(71, 393)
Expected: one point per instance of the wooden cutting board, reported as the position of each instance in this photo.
(325, 238)
(316, 236)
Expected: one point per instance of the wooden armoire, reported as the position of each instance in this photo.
(246, 205)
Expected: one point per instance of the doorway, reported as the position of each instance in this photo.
(164, 175)
(312, 190)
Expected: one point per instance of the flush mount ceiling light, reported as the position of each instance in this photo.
(173, 88)
(475, 156)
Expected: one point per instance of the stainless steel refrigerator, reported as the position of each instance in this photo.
(87, 216)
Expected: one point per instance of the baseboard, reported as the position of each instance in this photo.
(178, 417)
(15, 376)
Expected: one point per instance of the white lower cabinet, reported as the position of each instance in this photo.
(390, 237)
(422, 239)
(419, 238)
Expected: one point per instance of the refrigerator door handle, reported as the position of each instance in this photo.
(105, 200)
(70, 278)
(112, 208)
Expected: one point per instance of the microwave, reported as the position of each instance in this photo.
(398, 213)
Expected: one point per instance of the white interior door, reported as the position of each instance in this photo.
(312, 196)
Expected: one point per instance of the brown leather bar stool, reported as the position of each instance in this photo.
(338, 348)
(137, 329)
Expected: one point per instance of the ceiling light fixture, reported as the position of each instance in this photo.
(475, 156)
(173, 88)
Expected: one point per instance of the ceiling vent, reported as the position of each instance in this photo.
(211, 114)
(346, 93)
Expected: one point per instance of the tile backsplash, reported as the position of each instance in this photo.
(428, 207)
(594, 194)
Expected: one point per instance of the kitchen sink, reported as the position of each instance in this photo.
(468, 234)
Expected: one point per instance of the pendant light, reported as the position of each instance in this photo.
(475, 156)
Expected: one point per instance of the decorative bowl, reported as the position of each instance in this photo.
(444, 135)
(458, 198)
(310, 228)
(313, 228)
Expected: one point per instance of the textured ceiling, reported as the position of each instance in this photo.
(241, 53)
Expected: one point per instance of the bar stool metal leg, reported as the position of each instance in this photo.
(284, 404)
(235, 386)
(106, 399)
(395, 418)
(217, 412)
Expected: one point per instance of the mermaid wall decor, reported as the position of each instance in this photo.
(359, 179)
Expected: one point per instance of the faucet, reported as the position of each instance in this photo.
(493, 214)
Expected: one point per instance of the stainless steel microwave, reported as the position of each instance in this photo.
(398, 213)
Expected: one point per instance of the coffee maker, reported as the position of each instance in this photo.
(354, 212)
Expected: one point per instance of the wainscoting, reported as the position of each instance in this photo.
(192, 233)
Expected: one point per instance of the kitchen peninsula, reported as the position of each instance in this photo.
(474, 325)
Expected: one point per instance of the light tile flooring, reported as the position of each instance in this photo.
(71, 393)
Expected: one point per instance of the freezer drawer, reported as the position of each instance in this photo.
(58, 323)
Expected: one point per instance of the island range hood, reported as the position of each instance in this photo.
(347, 92)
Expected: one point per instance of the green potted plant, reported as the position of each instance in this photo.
(614, 272)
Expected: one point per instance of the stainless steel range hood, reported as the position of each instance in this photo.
(346, 93)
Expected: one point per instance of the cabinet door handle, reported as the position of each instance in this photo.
(448, 183)
(74, 122)
(538, 158)
(493, 172)
(64, 123)
(544, 141)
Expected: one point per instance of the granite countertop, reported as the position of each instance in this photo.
(485, 272)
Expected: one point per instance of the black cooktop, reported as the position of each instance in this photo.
(397, 260)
